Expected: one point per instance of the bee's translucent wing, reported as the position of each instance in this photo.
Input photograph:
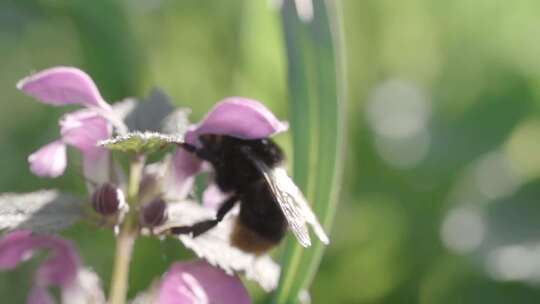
(291, 201)
(294, 206)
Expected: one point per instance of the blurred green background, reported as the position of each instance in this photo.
(441, 196)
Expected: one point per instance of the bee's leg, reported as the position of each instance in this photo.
(203, 226)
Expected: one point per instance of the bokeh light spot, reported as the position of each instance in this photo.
(463, 230)
(398, 109)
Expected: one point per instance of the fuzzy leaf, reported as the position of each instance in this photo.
(141, 142)
(42, 211)
(214, 246)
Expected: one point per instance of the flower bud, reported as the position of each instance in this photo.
(154, 213)
(107, 199)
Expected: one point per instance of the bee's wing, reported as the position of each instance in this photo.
(292, 202)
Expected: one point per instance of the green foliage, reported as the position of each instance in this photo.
(475, 62)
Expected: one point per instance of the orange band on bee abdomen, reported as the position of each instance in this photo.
(250, 241)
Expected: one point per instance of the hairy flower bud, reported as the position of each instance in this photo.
(107, 199)
(154, 213)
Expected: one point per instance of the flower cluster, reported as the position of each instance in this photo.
(155, 197)
(80, 129)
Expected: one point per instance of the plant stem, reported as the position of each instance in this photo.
(126, 237)
(119, 284)
(135, 175)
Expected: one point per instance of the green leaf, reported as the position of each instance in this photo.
(141, 142)
(317, 123)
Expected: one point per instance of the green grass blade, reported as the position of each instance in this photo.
(331, 131)
(317, 122)
(301, 113)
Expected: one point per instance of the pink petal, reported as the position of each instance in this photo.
(50, 160)
(213, 197)
(199, 282)
(238, 117)
(60, 268)
(97, 167)
(14, 249)
(83, 129)
(39, 295)
(181, 175)
(62, 86)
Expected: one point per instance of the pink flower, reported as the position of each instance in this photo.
(233, 116)
(60, 86)
(238, 117)
(50, 160)
(59, 269)
(198, 282)
(213, 197)
(81, 129)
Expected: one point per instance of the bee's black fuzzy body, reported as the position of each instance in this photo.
(261, 224)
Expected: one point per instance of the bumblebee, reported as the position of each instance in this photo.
(253, 172)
